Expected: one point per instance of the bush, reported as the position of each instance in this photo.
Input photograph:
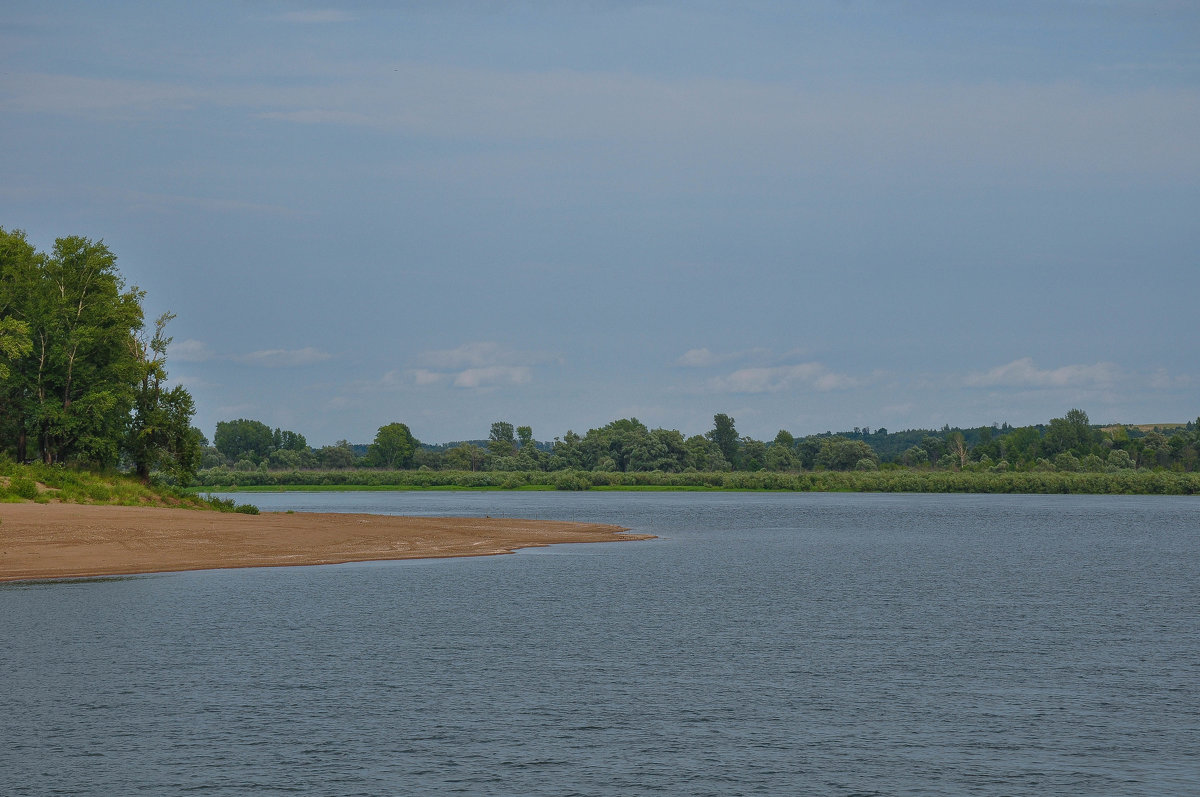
(23, 487)
(571, 481)
(227, 505)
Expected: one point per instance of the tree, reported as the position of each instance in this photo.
(754, 454)
(337, 456)
(465, 456)
(244, 438)
(838, 453)
(161, 435)
(82, 371)
(725, 436)
(79, 380)
(393, 448)
(957, 447)
(1072, 433)
(14, 343)
(501, 442)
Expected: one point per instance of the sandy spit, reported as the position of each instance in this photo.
(45, 541)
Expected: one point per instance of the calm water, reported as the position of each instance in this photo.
(768, 644)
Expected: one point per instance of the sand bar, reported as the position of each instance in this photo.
(41, 541)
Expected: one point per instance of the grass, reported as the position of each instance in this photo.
(45, 484)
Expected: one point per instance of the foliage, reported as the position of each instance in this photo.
(724, 435)
(79, 381)
(889, 480)
(46, 483)
(394, 447)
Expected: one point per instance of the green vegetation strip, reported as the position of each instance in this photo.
(1126, 482)
(45, 483)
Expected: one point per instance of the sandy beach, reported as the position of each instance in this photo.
(46, 541)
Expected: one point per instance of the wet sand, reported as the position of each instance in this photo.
(44, 541)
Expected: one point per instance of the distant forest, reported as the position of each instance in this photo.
(1068, 444)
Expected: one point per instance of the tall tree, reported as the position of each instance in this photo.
(244, 439)
(161, 435)
(393, 448)
(76, 375)
(725, 436)
(501, 441)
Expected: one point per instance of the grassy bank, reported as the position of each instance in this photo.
(1125, 482)
(45, 484)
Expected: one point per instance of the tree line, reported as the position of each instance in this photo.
(82, 375)
(1071, 444)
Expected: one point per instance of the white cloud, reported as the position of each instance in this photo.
(706, 358)
(190, 351)
(317, 16)
(698, 358)
(1023, 373)
(781, 377)
(477, 354)
(493, 375)
(424, 377)
(283, 358)
(478, 364)
(1162, 379)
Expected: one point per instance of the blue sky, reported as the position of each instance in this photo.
(810, 216)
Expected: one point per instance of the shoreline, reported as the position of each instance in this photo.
(58, 541)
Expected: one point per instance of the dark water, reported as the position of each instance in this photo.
(769, 644)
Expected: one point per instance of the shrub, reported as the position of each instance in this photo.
(23, 487)
(568, 480)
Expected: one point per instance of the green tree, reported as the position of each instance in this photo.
(161, 435)
(82, 372)
(725, 436)
(1072, 433)
(753, 454)
(501, 442)
(337, 456)
(393, 448)
(465, 456)
(838, 453)
(244, 438)
(14, 343)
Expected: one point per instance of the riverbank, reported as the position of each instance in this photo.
(888, 480)
(51, 541)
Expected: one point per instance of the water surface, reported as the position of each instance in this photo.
(765, 644)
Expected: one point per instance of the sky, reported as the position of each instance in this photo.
(810, 216)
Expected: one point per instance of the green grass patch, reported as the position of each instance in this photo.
(55, 483)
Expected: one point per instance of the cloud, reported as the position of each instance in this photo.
(317, 16)
(421, 377)
(1023, 373)
(190, 351)
(698, 358)
(1061, 127)
(283, 358)
(493, 375)
(1162, 379)
(479, 364)
(705, 358)
(477, 354)
(782, 377)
